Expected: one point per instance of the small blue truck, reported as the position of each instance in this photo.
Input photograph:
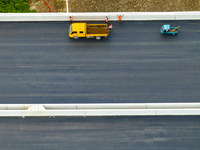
(166, 29)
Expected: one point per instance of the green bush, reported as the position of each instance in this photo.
(15, 6)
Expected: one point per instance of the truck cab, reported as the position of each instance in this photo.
(166, 29)
(77, 30)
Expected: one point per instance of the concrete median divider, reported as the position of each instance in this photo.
(187, 15)
(11, 113)
(59, 106)
(121, 112)
(112, 106)
(177, 112)
(100, 16)
(101, 109)
(172, 105)
(14, 106)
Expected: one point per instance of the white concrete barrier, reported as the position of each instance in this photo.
(26, 113)
(177, 112)
(100, 112)
(14, 106)
(34, 17)
(112, 106)
(121, 112)
(60, 106)
(187, 15)
(3, 106)
(128, 16)
(102, 106)
(11, 113)
(101, 109)
(70, 113)
(172, 105)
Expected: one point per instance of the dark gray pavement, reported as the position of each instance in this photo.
(100, 133)
(40, 64)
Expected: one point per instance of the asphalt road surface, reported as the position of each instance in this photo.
(100, 133)
(40, 64)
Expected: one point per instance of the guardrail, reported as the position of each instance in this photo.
(102, 109)
(128, 16)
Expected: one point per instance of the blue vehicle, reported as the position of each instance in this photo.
(166, 29)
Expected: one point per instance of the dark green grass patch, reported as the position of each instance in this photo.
(15, 6)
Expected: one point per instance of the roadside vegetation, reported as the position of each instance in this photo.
(19, 6)
(15, 6)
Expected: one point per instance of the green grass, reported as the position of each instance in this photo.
(15, 6)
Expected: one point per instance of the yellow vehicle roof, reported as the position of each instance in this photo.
(78, 26)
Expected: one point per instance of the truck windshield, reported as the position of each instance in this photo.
(70, 28)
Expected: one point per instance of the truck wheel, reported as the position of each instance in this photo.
(76, 37)
(98, 37)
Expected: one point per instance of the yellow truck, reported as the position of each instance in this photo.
(97, 31)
